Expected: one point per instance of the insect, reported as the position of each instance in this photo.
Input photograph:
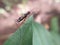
(25, 15)
(22, 17)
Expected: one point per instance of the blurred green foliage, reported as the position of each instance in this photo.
(13, 2)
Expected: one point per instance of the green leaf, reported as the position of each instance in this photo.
(31, 33)
(55, 30)
(41, 36)
(23, 36)
(54, 25)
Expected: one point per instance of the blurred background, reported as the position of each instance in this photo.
(10, 10)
